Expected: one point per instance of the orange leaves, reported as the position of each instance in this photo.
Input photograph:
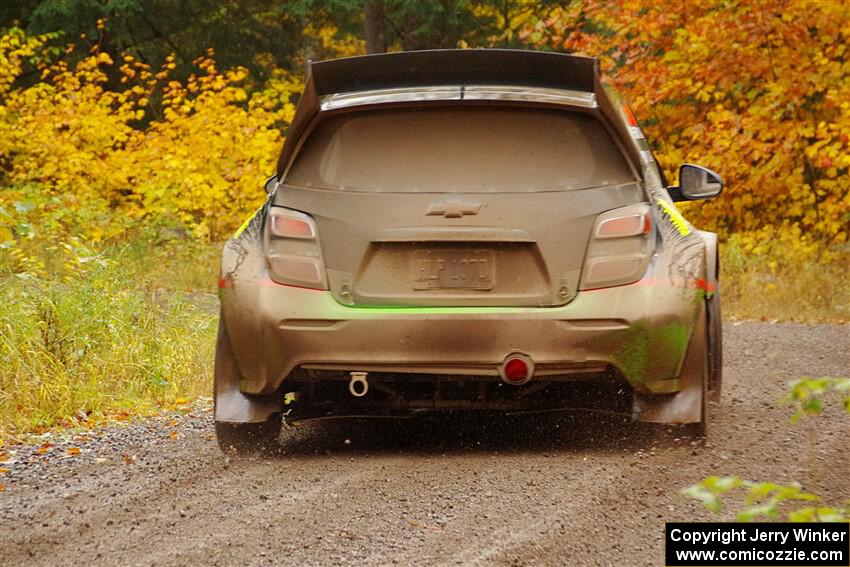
(757, 92)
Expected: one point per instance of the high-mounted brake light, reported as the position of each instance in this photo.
(292, 249)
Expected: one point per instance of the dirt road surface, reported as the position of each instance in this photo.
(574, 489)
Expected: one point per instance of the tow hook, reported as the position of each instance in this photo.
(358, 386)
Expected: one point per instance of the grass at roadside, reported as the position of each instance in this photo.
(87, 336)
(774, 284)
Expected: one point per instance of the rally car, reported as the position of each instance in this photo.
(466, 230)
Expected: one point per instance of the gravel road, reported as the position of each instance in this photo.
(574, 489)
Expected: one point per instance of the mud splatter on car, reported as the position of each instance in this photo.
(466, 230)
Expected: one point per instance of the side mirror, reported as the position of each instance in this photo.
(696, 182)
(271, 184)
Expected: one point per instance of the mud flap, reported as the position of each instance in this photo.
(231, 405)
(685, 406)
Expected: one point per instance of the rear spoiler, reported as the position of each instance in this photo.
(454, 67)
(443, 67)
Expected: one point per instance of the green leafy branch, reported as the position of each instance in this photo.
(764, 499)
(805, 394)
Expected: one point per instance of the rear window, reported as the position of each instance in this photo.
(476, 150)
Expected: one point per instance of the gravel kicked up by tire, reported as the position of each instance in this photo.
(567, 489)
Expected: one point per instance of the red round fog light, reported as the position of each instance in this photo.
(517, 369)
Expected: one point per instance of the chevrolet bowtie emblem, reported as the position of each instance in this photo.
(453, 209)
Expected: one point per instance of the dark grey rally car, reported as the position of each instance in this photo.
(466, 230)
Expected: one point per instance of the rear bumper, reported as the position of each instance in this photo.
(642, 330)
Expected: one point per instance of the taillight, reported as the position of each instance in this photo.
(292, 249)
(620, 247)
(626, 225)
(283, 225)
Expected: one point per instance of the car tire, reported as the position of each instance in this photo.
(242, 438)
(715, 347)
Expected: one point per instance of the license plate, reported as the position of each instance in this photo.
(453, 269)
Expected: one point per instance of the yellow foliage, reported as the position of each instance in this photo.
(85, 157)
(332, 44)
(15, 48)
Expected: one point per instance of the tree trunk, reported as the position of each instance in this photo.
(376, 37)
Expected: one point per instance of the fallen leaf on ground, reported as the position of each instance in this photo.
(3, 470)
(181, 401)
(174, 435)
(129, 459)
(2, 487)
(3, 457)
(74, 451)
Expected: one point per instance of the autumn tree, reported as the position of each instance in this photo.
(76, 158)
(758, 91)
(392, 25)
(255, 34)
